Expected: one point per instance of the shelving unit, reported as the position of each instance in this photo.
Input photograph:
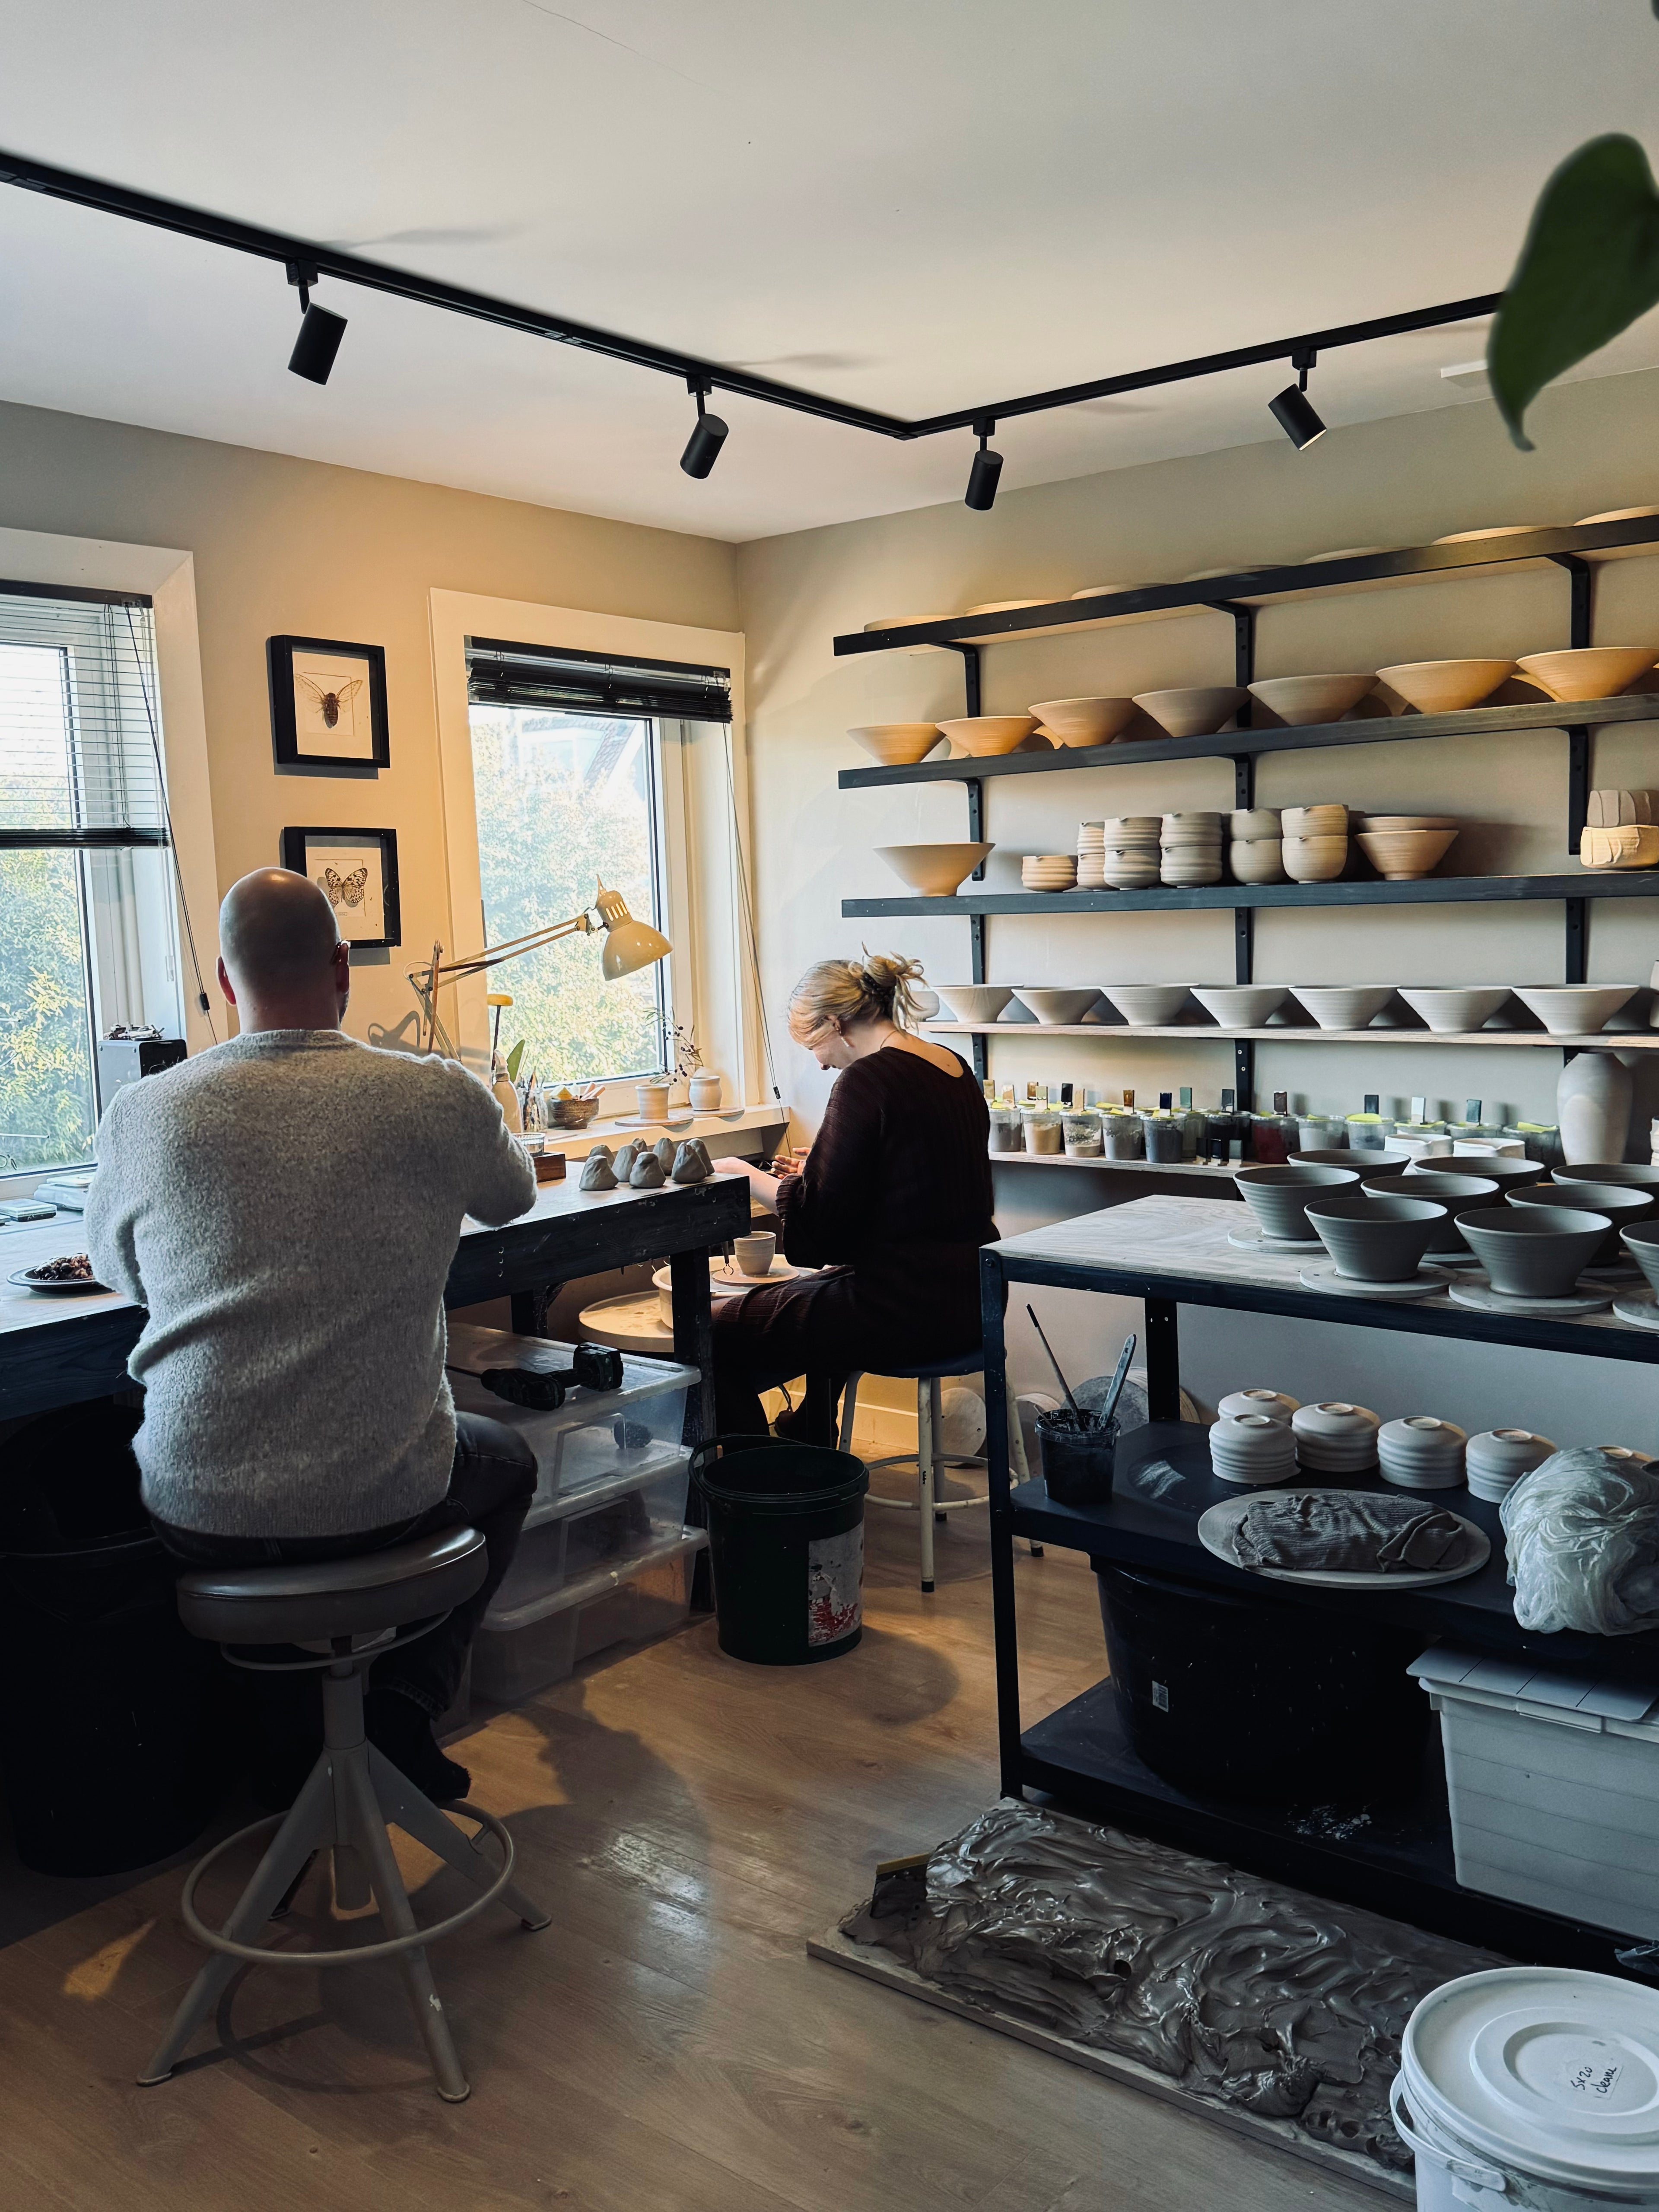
(1398, 1863)
(1575, 551)
(1208, 1033)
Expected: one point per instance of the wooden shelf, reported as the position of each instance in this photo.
(1212, 1171)
(1202, 1033)
(1173, 898)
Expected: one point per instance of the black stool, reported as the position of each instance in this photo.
(347, 1612)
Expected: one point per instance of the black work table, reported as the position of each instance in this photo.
(55, 1351)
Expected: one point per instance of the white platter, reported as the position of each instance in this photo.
(1217, 1524)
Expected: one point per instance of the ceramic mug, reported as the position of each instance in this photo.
(651, 1100)
(754, 1254)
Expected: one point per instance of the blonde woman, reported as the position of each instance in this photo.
(894, 1197)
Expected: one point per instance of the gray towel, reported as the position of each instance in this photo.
(1355, 1532)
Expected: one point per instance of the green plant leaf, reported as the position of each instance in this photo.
(514, 1060)
(1590, 267)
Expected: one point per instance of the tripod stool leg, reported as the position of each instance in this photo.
(310, 1822)
(926, 1407)
(417, 1816)
(392, 1899)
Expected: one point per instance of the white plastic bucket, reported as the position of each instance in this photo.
(1532, 2087)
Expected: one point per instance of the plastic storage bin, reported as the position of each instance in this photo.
(520, 1650)
(1554, 1781)
(600, 1526)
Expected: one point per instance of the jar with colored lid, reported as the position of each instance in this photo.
(1005, 1129)
(1081, 1125)
(1162, 1133)
(1368, 1132)
(1043, 1128)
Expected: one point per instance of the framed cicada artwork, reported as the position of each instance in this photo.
(357, 872)
(328, 704)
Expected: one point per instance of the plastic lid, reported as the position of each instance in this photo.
(1544, 2069)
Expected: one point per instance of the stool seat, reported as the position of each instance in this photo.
(965, 1363)
(310, 1600)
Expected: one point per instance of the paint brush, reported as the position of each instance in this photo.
(1082, 1420)
(1116, 1392)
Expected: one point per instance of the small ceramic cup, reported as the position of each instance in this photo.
(754, 1255)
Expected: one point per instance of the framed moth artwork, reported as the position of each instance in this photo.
(357, 870)
(328, 704)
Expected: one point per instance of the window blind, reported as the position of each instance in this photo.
(79, 737)
(502, 674)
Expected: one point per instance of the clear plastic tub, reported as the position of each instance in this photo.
(1083, 1137)
(520, 1650)
(602, 1526)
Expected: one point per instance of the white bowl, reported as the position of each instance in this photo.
(1343, 1005)
(1052, 1006)
(1240, 1006)
(1146, 1006)
(1084, 721)
(1499, 1457)
(1335, 1419)
(1256, 1400)
(1450, 1011)
(1575, 1009)
(1193, 710)
(974, 1002)
(1299, 700)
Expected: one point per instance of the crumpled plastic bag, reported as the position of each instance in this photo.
(1583, 1544)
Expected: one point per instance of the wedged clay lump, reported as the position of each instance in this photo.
(665, 1149)
(597, 1172)
(623, 1162)
(646, 1173)
(692, 1163)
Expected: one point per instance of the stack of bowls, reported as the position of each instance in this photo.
(1256, 855)
(1130, 851)
(1535, 1251)
(1375, 1240)
(1335, 1437)
(1496, 1460)
(1048, 872)
(1315, 842)
(1458, 1193)
(1624, 1204)
(1091, 856)
(1191, 845)
(1252, 1448)
(1422, 1452)
(1278, 1197)
(1257, 1400)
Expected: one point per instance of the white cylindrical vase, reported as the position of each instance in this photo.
(1592, 1106)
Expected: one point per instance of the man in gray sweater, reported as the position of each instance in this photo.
(286, 1206)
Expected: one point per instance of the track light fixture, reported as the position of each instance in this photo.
(982, 478)
(1292, 410)
(708, 435)
(320, 332)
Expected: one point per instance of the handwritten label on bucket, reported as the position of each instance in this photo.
(835, 1572)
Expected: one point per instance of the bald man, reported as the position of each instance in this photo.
(286, 1206)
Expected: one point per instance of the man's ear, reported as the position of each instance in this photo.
(225, 984)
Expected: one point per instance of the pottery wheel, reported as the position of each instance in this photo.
(1630, 1273)
(1257, 1240)
(1482, 1297)
(1348, 1286)
(1639, 1308)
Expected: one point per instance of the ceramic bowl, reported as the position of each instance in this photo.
(1633, 1174)
(1575, 1009)
(1491, 530)
(1335, 1437)
(1497, 1459)
(1407, 822)
(1084, 721)
(1624, 1204)
(1458, 1193)
(1191, 711)
(1315, 859)
(1421, 1452)
(1249, 825)
(1535, 1251)
(1299, 700)
(897, 744)
(1508, 1174)
(1256, 1400)
(1101, 591)
(1277, 1196)
(1252, 1449)
(1403, 856)
(1352, 1155)
(1260, 861)
(1641, 1242)
(1375, 1240)
(935, 871)
(1191, 875)
(1451, 1010)
(1128, 871)
(974, 1002)
(1146, 1006)
(1240, 1006)
(1125, 828)
(1445, 687)
(1193, 825)
(1053, 1006)
(1324, 820)
(1595, 671)
(985, 734)
(1343, 1005)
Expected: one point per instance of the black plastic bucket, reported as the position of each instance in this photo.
(786, 1545)
(1242, 1697)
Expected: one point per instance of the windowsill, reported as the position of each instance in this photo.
(576, 1144)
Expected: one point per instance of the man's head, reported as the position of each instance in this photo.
(282, 962)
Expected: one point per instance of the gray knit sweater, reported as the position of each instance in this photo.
(286, 1206)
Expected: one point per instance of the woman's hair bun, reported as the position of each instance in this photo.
(876, 987)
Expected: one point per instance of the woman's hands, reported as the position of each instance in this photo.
(765, 1186)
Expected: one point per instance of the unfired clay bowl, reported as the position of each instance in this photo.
(1051, 1006)
(986, 734)
(1084, 721)
(1313, 860)
(1458, 1193)
(974, 1002)
(1509, 1174)
(1344, 1006)
(1277, 1196)
(1633, 1174)
(935, 871)
(1451, 1010)
(1146, 1006)
(1191, 711)
(1352, 1155)
(1375, 1240)
(1624, 1204)
(1575, 1009)
(1240, 1006)
(1299, 700)
(1445, 687)
(1535, 1251)
(1641, 1242)
(1403, 856)
(897, 744)
(1594, 671)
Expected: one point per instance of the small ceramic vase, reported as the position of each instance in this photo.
(706, 1088)
(651, 1100)
(1592, 1107)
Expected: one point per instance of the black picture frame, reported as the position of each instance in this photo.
(301, 853)
(299, 727)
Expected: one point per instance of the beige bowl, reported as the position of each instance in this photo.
(1299, 700)
(1260, 861)
(1496, 530)
(1445, 687)
(897, 744)
(1404, 855)
(1196, 711)
(1575, 1009)
(1408, 822)
(1313, 860)
(1321, 820)
(935, 871)
(989, 733)
(1101, 591)
(1595, 671)
(1084, 721)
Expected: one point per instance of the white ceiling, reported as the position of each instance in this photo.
(919, 204)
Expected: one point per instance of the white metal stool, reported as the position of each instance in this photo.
(927, 1502)
(347, 1612)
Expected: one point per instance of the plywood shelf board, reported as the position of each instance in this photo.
(1193, 1033)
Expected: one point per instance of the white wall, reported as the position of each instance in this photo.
(1401, 481)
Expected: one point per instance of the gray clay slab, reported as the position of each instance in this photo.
(1482, 1297)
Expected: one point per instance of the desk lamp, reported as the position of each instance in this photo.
(628, 946)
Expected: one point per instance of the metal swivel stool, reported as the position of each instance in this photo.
(343, 1614)
(929, 1420)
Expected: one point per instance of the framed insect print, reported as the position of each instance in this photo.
(328, 704)
(357, 870)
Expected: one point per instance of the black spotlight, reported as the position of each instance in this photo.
(702, 447)
(1293, 410)
(983, 476)
(320, 332)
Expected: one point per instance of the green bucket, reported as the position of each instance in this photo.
(785, 1546)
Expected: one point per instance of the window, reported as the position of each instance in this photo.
(85, 886)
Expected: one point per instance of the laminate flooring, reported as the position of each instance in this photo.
(666, 2042)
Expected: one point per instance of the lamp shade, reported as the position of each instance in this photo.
(629, 945)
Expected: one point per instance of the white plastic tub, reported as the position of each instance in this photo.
(1554, 1784)
(520, 1650)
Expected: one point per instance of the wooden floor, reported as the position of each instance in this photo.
(666, 2043)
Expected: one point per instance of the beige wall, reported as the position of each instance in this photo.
(284, 545)
(1398, 482)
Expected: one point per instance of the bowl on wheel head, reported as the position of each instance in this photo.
(1375, 1240)
(1535, 1251)
(1277, 1196)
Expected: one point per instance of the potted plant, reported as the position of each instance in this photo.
(702, 1084)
